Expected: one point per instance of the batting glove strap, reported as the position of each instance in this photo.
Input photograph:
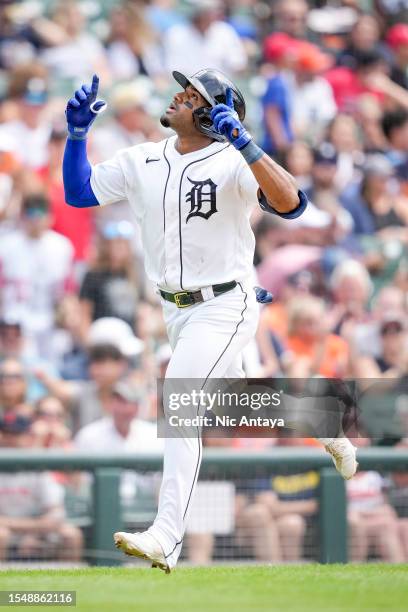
(251, 152)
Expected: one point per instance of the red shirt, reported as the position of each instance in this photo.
(347, 88)
(74, 223)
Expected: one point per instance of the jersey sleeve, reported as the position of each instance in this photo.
(112, 180)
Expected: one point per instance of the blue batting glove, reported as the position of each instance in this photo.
(226, 122)
(82, 109)
(263, 296)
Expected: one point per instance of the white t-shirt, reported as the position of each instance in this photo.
(29, 144)
(188, 50)
(29, 494)
(76, 59)
(194, 210)
(102, 435)
(33, 273)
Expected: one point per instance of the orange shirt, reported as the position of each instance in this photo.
(334, 357)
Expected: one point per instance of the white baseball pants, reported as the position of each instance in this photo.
(207, 340)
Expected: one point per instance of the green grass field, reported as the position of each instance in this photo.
(345, 588)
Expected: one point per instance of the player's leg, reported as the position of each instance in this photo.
(209, 341)
(209, 346)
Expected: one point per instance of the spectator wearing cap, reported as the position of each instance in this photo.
(313, 104)
(28, 131)
(278, 50)
(32, 515)
(36, 267)
(131, 123)
(397, 40)
(350, 85)
(203, 41)
(323, 193)
(64, 220)
(376, 207)
(112, 287)
(122, 429)
(111, 348)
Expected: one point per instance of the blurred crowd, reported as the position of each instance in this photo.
(82, 341)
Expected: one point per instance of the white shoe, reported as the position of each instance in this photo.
(344, 457)
(142, 545)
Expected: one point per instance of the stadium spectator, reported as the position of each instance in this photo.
(202, 41)
(364, 36)
(49, 425)
(70, 51)
(112, 288)
(291, 18)
(313, 104)
(397, 39)
(68, 343)
(343, 134)
(392, 362)
(279, 49)
(65, 221)
(351, 84)
(35, 271)
(376, 204)
(111, 347)
(395, 127)
(121, 429)
(351, 288)
(314, 349)
(131, 122)
(13, 388)
(28, 129)
(132, 45)
(32, 515)
(371, 519)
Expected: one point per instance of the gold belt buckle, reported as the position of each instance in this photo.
(177, 299)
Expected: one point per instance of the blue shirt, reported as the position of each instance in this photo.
(277, 95)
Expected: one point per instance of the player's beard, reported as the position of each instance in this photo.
(165, 121)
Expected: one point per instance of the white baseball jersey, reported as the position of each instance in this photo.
(193, 210)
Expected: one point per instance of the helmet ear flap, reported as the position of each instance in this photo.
(203, 123)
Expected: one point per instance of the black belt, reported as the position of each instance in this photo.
(182, 299)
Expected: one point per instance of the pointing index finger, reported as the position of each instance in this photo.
(228, 98)
(95, 85)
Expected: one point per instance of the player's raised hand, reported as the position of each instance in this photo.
(226, 122)
(82, 109)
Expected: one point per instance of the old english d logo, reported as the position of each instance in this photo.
(202, 199)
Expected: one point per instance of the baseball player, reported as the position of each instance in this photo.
(192, 194)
